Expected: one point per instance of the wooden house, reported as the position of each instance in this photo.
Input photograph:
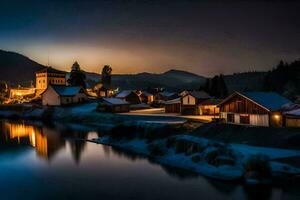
(173, 106)
(56, 95)
(165, 96)
(130, 96)
(146, 97)
(113, 105)
(210, 107)
(101, 91)
(190, 103)
(292, 118)
(253, 108)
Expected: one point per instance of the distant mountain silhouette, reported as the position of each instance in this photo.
(16, 68)
(171, 80)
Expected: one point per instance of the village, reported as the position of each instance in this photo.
(55, 88)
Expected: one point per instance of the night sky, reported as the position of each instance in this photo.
(135, 36)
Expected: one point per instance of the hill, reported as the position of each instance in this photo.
(16, 68)
(171, 80)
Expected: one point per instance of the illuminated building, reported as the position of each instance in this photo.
(48, 76)
(253, 108)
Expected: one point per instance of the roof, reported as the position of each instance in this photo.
(199, 94)
(124, 93)
(167, 94)
(66, 90)
(294, 112)
(50, 70)
(147, 94)
(269, 100)
(114, 101)
(173, 101)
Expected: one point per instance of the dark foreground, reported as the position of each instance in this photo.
(41, 162)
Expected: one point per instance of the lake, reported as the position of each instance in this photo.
(54, 162)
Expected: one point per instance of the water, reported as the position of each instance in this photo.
(42, 162)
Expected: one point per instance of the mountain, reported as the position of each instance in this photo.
(16, 68)
(171, 80)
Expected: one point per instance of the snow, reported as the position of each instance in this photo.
(124, 93)
(66, 90)
(270, 100)
(114, 101)
(224, 172)
(293, 112)
(167, 94)
(173, 101)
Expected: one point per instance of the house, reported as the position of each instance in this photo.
(210, 107)
(56, 95)
(20, 92)
(130, 96)
(165, 96)
(47, 76)
(101, 91)
(146, 97)
(190, 103)
(173, 106)
(253, 108)
(113, 105)
(292, 118)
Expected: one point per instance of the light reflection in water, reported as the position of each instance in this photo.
(45, 142)
(103, 167)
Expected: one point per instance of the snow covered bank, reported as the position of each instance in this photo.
(86, 114)
(206, 157)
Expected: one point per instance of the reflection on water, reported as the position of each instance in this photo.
(82, 170)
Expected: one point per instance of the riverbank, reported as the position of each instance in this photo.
(175, 147)
(85, 114)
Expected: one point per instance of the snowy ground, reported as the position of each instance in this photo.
(224, 172)
(160, 112)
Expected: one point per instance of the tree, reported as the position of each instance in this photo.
(106, 76)
(77, 76)
(216, 86)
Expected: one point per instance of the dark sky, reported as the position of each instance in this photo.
(206, 37)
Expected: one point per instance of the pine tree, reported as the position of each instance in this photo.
(77, 76)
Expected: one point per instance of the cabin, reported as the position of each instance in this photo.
(190, 103)
(113, 105)
(56, 95)
(210, 107)
(173, 106)
(146, 97)
(101, 91)
(165, 96)
(47, 76)
(130, 96)
(292, 118)
(253, 108)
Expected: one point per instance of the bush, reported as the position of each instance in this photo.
(196, 158)
(188, 147)
(259, 164)
(156, 149)
(171, 142)
(221, 156)
(211, 157)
